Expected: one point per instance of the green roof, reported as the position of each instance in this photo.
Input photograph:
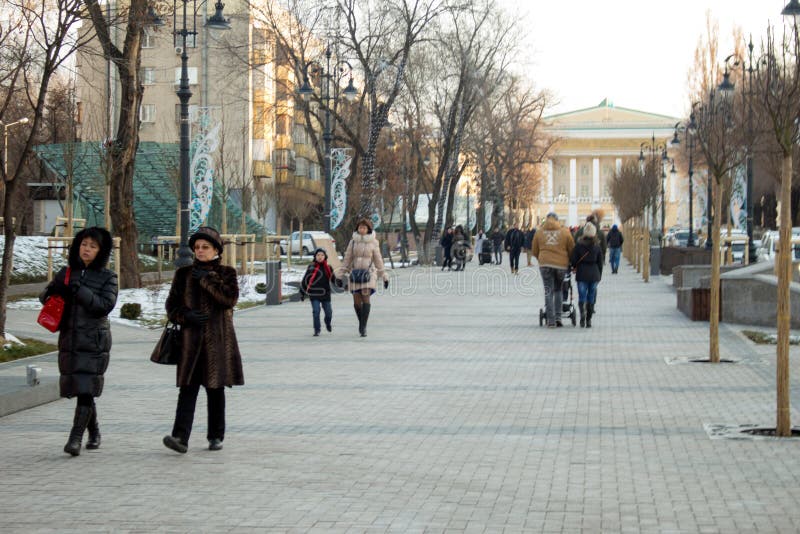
(155, 192)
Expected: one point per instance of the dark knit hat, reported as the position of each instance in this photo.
(366, 222)
(209, 234)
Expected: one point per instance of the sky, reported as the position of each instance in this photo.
(635, 52)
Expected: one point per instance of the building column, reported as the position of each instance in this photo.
(572, 217)
(595, 183)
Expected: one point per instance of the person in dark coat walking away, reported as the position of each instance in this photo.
(497, 244)
(201, 300)
(587, 262)
(514, 241)
(447, 245)
(594, 217)
(316, 285)
(614, 241)
(84, 339)
(527, 246)
(363, 253)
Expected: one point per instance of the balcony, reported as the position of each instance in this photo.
(262, 168)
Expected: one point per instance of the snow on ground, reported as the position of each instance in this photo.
(30, 256)
(153, 298)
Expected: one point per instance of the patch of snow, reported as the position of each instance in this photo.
(153, 298)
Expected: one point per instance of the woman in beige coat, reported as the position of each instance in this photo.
(363, 252)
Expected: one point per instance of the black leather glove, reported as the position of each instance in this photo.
(338, 282)
(385, 284)
(199, 274)
(302, 296)
(74, 283)
(195, 318)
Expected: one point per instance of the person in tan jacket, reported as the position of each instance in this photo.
(552, 246)
(363, 253)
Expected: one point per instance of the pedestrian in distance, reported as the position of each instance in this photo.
(316, 285)
(527, 246)
(84, 338)
(497, 244)
(460, 248)
(514, 240)
(594, 217)
(362, 254)
(201, 301)
(587, 262)
(614, 240)
(447, 245)
(552, 246)
(479, 239)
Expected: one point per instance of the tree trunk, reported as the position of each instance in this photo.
(9, 210)
(784, 267)
(713, 314)
(224, 221)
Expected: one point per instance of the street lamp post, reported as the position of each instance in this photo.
(6, 127)
(218, 22)
(690, 130)
(747, 80)
(327, 100)
(654, 149)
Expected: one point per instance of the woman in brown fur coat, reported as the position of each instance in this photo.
(363, 252)
(201, 300)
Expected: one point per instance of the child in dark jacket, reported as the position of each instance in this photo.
(587, 262)
(316, 285)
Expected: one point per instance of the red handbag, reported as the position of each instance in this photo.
(53, 309)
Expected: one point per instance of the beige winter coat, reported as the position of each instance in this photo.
(361, 251)
(552, 245)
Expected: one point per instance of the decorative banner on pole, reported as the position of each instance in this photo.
(201, 170)
(739, 199)
(340, 170)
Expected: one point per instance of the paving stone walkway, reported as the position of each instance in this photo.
(457, 414)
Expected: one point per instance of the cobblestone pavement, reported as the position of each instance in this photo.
(457, 414)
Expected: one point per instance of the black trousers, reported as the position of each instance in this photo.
(514, 255)
(184, 414)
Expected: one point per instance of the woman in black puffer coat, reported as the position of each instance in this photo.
(587, 262)
(84, 340)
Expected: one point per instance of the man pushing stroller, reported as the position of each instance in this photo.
(552, 246)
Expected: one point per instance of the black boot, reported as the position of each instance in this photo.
(79, 423)
(94, 431)
(582, 307)
(364, 317)
(589, 313)
(360, 321)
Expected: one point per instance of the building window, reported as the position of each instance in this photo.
(314, 171)
(148, 75)
(193, 110)
(562, 190)
(147, 113)
(299, 135)
(148, 39)
(191, 71)
(301, 167)
(584, 190)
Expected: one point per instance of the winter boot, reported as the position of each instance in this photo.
(360, 321)
(94, 431)
(582, 307)
(364, 317)
(589, 313)
(82, 414)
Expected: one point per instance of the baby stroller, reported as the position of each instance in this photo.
(461, 253)
(485, 253)
(567, 307)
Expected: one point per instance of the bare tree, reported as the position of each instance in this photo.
(43, 39)
(122, 150)
(779, 83)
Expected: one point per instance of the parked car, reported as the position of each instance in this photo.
(309, 244)
(679, 238)
(768, 250)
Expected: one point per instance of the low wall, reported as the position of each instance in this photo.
(751, 296)
(688, 276)
(672, 257)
